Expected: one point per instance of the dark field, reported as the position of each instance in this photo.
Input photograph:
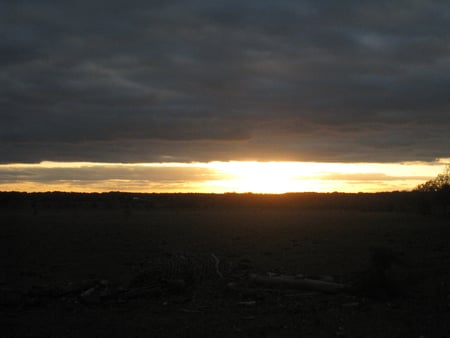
(111, 271)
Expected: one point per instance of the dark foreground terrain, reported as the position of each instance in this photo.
(171, 270)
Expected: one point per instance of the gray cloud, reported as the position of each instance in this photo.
(219, 80)
(94, 174)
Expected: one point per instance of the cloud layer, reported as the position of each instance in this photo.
(211, 80)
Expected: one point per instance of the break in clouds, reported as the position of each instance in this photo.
(216, 177)
(182, 81)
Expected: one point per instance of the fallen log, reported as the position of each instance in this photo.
(291, 282)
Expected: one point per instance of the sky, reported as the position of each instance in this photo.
(206, 81)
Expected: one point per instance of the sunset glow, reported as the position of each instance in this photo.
(217, 177)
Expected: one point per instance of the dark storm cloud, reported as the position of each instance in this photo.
(219, 80)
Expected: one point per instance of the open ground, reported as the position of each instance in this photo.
(69, 272)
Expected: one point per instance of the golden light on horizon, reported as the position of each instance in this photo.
(217, 177)
(282, 177)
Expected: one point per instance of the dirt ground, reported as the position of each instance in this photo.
(185, 273)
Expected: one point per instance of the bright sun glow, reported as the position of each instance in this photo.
(280, 177)
(217, 177)
(262, 177)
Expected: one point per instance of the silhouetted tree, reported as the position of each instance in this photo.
(435, 194)
(440, 183)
